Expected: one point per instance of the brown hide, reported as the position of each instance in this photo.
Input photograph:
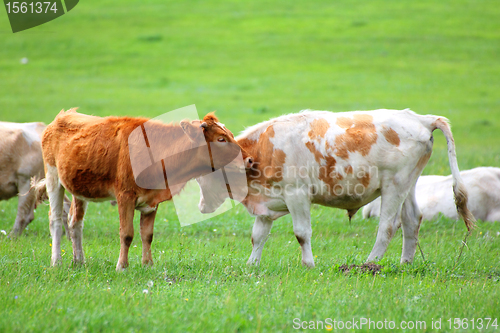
(92, 153)
(93, 163)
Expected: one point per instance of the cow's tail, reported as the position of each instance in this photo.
(40, 189)
(459, 189)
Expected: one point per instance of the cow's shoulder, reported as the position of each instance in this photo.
(73, 120)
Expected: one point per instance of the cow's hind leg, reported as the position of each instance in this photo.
(126, 206)
(75, 226)
(55, 192)
(260, 232)
(390, 209)
(25, 207)
(411, 219)
(398, 190)
(147, 228)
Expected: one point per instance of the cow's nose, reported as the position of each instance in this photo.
(204, 209)
(248, 162)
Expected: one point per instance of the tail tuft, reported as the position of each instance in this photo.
(461, 203)
(40, 189)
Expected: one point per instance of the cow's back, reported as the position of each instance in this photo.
(339, 135)
(89, 152)
(483, 185)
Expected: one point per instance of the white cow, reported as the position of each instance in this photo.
(20, 160)
(434, 195)
(342, 160)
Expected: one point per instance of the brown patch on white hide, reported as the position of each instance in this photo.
(391, 136)
(360, 135)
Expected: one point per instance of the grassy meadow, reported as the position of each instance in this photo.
(251, 61)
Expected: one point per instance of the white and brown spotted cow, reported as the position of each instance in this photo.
(90, 157)
(20, 160)
(343, 160)
(434, 195)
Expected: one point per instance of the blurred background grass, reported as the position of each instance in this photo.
(254, 60)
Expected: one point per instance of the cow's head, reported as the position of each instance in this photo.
(213, 193)
(228, 170)
(216, 189)
(222, 146)
(231, 182)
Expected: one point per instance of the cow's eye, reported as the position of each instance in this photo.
(221, 139)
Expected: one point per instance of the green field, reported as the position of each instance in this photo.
(251, 61)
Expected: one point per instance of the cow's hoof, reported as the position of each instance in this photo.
(253, 262)
(56, 261)
(120, 267)
(78, 262)
(147, 263)
(14, 234)
(308, 264)
(373, 259)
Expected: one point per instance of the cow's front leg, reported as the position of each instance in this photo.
(299, 205)
(260, 233)
(147, 227)
(25, 207)
(126, 206)
(75, 228)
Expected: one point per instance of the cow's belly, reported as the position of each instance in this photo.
(258, 205)
(348, 193)
(346, 201)
(87, 184)
(101, 199)
(88, 190)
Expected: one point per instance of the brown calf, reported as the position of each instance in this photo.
(91, 158)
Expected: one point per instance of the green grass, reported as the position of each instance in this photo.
(251, 61)
(201, 282)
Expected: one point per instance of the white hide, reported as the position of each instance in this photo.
(393, 170)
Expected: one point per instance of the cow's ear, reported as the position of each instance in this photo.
(191, 130)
